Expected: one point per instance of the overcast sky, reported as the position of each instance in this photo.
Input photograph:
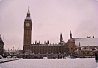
(50, 18)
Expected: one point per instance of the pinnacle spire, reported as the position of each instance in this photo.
(0, 38)
(28, 10)
(70, 35)
(61, 38)
(28, 13)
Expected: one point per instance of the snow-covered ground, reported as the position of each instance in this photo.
(51, 63)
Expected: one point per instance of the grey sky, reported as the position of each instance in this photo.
(50, 18)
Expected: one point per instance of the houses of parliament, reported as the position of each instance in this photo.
(41, 50)
(79, 47)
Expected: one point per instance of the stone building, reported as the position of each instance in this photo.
(88, 46)
(74, 47)
(83, 47)
(1, 46)
(38, 50)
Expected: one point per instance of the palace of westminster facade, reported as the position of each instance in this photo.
(41, 50)
(38, 50)
(74, 47)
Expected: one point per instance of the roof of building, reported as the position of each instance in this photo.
(86, 41)
(46, 45)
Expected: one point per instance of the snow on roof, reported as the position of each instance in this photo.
(86, 41)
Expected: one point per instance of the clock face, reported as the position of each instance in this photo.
(27, 24)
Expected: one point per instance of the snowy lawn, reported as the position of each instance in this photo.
(51, 63)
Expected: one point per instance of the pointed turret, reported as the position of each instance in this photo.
(61, 38)
(70, 35)
(1, 39)
(28, 14)
(1, 46)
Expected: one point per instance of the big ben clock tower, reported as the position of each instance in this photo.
(27, 32)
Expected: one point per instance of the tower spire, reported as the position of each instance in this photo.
(70, 35)
(27, 32)
(28, 10)
(61, 38)
(28, 13)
